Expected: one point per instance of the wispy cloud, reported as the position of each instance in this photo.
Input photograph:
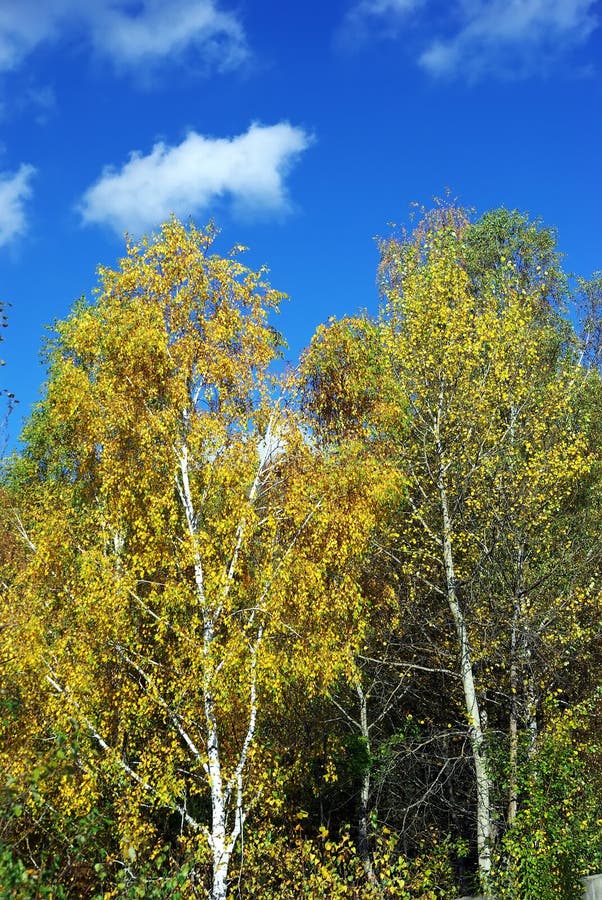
(164, 28)
(15, 190)
(369, 18)
(511, 37)
(472, 38)
(128, 33)
(248, 171)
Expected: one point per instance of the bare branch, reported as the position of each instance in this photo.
(122, 763)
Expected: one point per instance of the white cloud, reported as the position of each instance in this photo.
(128, 33)
(22, 27)
(470, 38)
(249, 170)
(381, 17)
(15, 190)
(516, 37)
(164, 27)
(368, 8)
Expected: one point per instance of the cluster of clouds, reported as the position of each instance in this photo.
(248, 171)
(134, 38)
(465, 38)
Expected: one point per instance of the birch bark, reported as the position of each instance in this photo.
(472, 710)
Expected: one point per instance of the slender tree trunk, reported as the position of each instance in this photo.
(475, 731)
(516, 648)
(220, 877)
(217, 835)
(363, 842)
(517, 658)
(531, 707)
(227, 808)
(221, 844)
(513, 726)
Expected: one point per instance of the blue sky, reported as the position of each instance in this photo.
(303, 129)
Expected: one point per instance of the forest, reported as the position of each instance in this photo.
(322, 630)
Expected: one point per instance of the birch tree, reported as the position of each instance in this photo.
(483, 369)
(177, 540)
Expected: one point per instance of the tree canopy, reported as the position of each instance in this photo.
(326, 633)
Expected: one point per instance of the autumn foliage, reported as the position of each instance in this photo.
(326, 633)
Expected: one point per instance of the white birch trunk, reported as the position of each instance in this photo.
(226, 822)
(363, 843)
(473, 713)
(217, 837)
(513, 729)
(517, 659)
